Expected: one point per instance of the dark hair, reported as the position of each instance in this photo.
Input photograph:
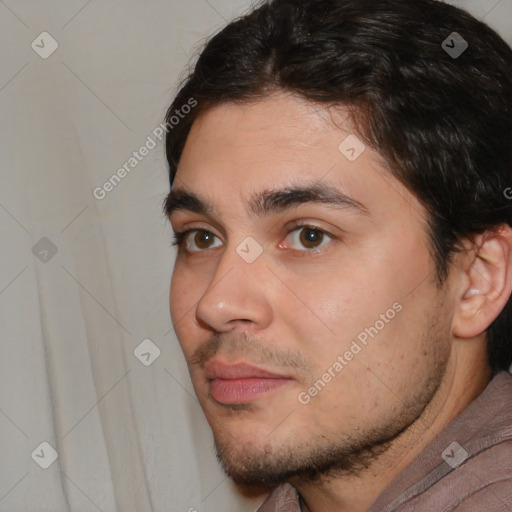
(442, 122)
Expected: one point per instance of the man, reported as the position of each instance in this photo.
(342, 285)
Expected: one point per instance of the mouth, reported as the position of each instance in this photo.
(241, 383)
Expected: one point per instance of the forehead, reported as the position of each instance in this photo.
(275, 131)
(236, 151)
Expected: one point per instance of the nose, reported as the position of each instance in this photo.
(238, 293)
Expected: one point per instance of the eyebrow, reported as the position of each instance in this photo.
(268, 201)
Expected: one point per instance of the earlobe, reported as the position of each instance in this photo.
(485, 272)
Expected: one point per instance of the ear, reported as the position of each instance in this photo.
(485, 281)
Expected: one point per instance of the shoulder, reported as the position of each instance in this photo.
(468, 466)
(491, 496)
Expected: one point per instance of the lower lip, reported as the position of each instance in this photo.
(237, 391)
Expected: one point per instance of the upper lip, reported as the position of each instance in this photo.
(220, 370)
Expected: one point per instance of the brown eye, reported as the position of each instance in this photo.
(203, 239)
(305, 238)
(195, 240)
(311, 237)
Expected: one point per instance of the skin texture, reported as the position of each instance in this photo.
(293, 311)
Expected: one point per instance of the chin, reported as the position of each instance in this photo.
(248, 465)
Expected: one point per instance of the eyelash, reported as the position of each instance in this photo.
(180, 236)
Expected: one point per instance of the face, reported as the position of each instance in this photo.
(303, 293)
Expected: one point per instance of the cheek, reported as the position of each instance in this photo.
(364, 312)
(182, 297)
(185, 288)
(341, 304)
(176, 292)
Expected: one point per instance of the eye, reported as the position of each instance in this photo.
(310, 237)
(202, 239)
